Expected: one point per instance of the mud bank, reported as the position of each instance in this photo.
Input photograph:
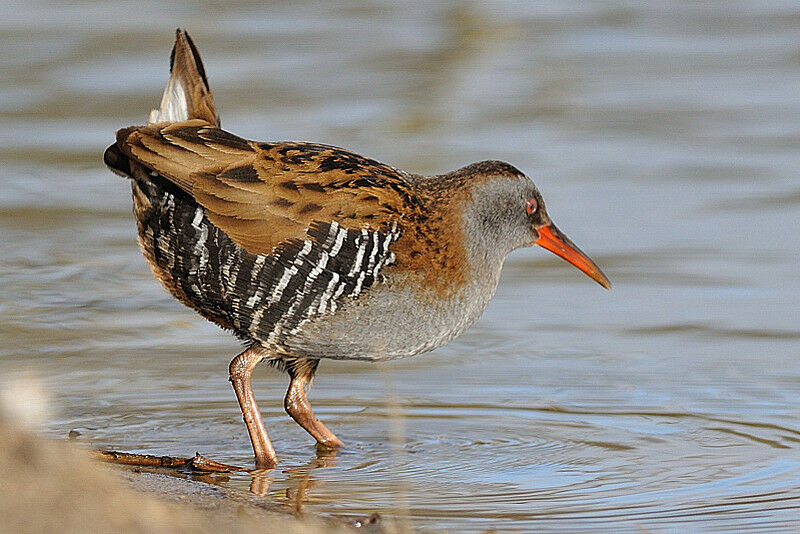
(51, 486)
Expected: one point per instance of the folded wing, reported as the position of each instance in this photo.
(265, 194)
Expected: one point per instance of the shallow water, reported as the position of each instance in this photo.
(667, 145)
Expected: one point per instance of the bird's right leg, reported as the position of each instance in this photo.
(241, 369)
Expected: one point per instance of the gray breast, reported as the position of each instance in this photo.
(395, 320)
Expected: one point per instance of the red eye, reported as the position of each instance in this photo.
(531, 205)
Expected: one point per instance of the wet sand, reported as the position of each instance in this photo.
(52, 486)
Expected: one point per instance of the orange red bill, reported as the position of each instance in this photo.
(553, 240)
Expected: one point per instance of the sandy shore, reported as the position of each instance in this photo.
(52, 486)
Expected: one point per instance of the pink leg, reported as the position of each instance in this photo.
(241, 369)
(298, 407)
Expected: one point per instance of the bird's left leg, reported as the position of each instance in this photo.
(301, 371)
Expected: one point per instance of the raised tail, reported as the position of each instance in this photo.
(187, 95)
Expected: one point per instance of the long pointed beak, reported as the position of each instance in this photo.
(553, 240)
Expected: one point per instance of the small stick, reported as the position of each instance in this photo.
(196, 463)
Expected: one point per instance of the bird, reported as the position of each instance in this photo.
(306, 251)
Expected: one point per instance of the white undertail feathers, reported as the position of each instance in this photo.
(187, 95)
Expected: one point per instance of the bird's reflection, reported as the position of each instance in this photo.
(260, 482)
(300, 479)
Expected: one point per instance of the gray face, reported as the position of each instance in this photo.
(503, 215)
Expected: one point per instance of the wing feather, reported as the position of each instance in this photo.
(265, 194)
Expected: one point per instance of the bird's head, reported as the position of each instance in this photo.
(506, 212)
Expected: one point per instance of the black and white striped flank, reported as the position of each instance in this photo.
(266, 298)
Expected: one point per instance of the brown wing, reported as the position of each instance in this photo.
(264, 194)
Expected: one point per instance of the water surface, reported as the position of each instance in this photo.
(667, 145)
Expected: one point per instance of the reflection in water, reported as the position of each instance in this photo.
(218, 479)
(301, 479)
(666, 141)
(260, 482)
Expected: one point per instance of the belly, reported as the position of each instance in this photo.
(395, 321)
